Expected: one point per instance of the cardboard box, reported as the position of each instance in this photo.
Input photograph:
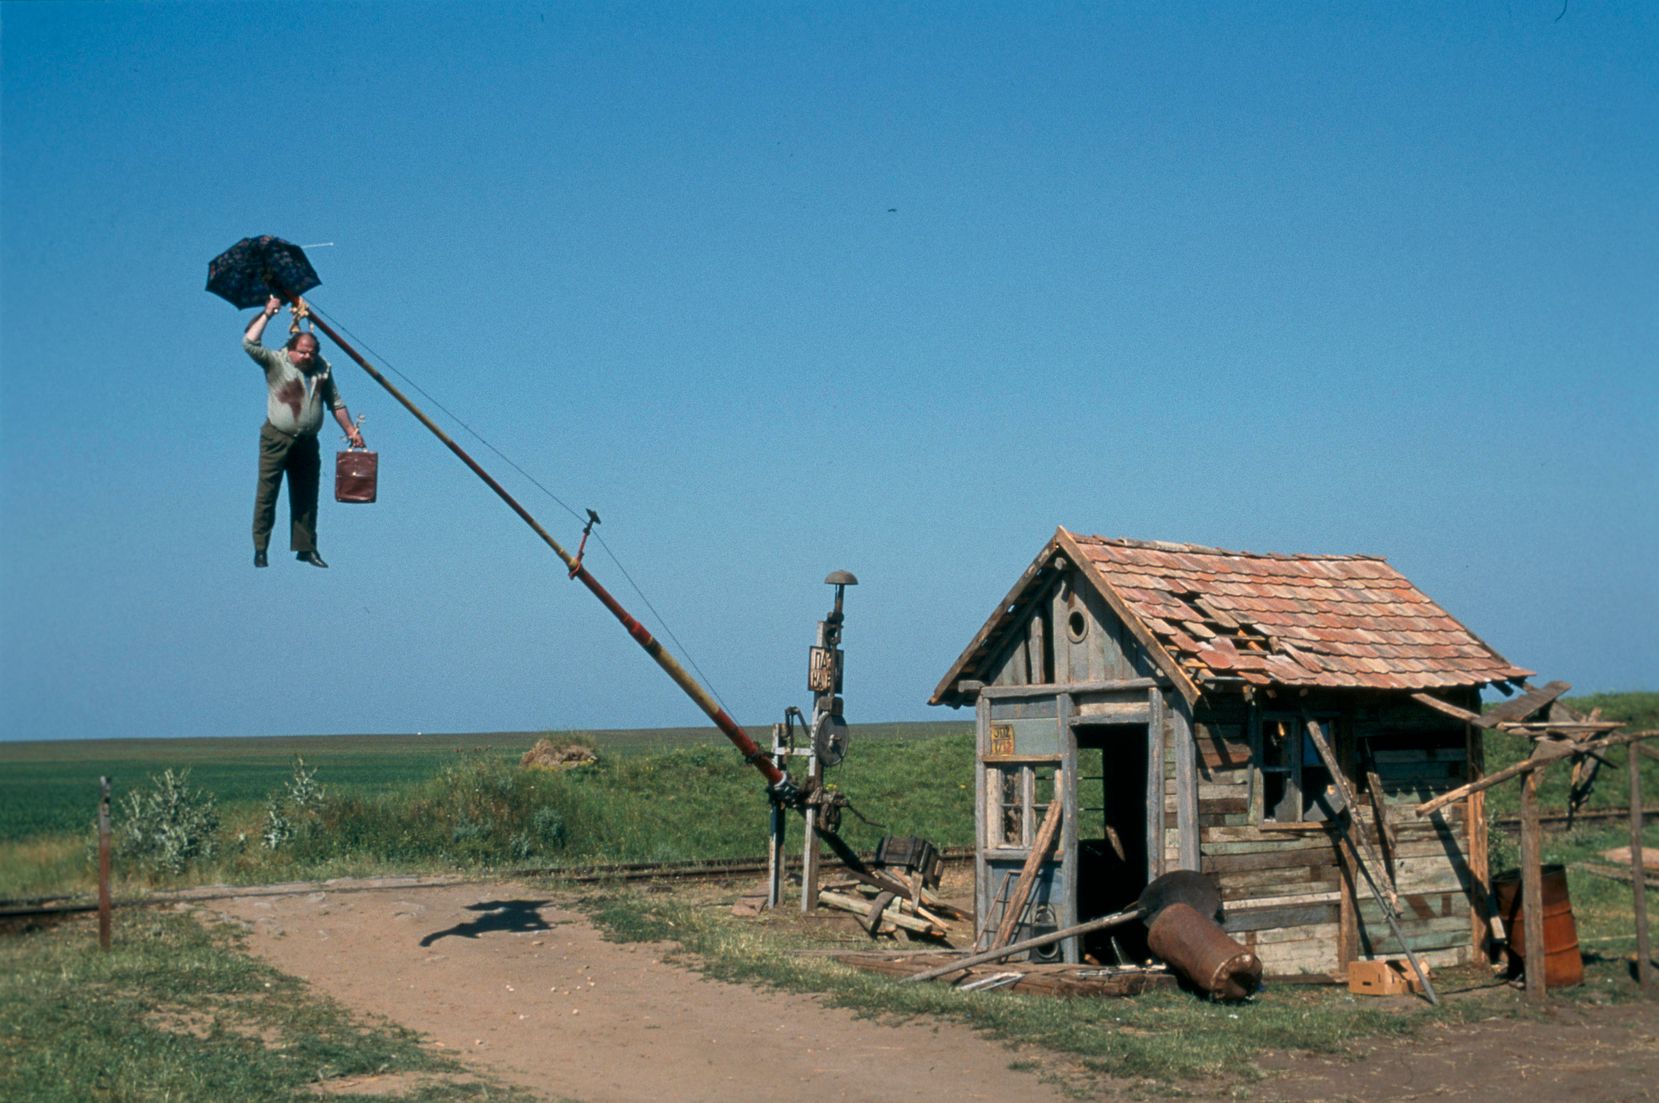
(1384, 978)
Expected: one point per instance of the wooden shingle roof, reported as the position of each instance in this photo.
(1217, 616)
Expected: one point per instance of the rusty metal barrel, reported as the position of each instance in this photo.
(1198, 949)
(1563, 965)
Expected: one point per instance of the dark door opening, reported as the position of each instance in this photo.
(1111, 835)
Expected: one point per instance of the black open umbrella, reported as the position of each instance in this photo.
(255, 268)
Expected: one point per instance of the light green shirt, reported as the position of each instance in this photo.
(295, 400)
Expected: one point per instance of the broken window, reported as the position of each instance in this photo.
(1277, 762)
(1010, 819)
(1019, 796)
(1295, 786)
(1043, 794)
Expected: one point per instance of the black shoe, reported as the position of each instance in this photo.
(310, 557)
(259, 559)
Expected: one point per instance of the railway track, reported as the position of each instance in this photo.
(717, 869)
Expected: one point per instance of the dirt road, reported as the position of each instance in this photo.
(530, 992)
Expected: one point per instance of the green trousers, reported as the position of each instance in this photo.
(300, 460)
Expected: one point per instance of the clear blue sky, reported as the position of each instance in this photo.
(784, 289)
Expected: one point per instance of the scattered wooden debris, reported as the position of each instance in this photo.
(1026, 978)
(887, 912)
(749, 906)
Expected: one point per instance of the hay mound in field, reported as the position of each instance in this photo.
(548, 755)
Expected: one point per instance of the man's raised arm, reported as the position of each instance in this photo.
(256, 328)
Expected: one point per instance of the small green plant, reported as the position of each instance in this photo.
(293, 808)
(168, 825)
(545, 835)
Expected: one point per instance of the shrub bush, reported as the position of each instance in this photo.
(169, 825)
(294, 808)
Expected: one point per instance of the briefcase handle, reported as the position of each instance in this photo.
(350, 447)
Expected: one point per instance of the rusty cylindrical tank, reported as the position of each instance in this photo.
(1563, 965)
(1198, 949)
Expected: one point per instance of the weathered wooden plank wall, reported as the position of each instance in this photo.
(1416, 754)
(1282, 888)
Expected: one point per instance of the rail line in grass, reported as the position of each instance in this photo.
(714, 869)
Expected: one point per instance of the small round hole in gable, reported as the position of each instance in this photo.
(1077, 625)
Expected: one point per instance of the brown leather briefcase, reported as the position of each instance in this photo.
(356, 475)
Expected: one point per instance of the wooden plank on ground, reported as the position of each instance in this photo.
(892, 914)
(1035, 978)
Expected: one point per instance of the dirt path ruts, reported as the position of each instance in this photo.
(529, 991)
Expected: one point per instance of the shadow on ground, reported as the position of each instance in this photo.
(498, 915)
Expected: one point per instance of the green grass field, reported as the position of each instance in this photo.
(52, 787)
(459, 801)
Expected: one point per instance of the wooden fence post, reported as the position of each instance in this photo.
(1532, 890)
(103, 864)
(1638, 870)
(1480, 861)
(809, 856)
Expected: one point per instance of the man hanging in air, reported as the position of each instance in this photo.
(299, 383)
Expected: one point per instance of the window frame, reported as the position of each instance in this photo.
(1301, 760)
(1028, 811)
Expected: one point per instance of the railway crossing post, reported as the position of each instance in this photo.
(825, 742)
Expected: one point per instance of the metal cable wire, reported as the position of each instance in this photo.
(595, 536)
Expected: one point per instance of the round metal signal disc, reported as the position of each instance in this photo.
(829, 739)
(1044, 921)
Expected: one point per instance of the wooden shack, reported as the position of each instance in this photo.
(1163, 693)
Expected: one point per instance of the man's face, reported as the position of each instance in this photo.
(304, 353)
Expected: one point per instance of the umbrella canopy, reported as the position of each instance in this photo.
(257, 267)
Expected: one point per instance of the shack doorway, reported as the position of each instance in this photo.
(1112, 852)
